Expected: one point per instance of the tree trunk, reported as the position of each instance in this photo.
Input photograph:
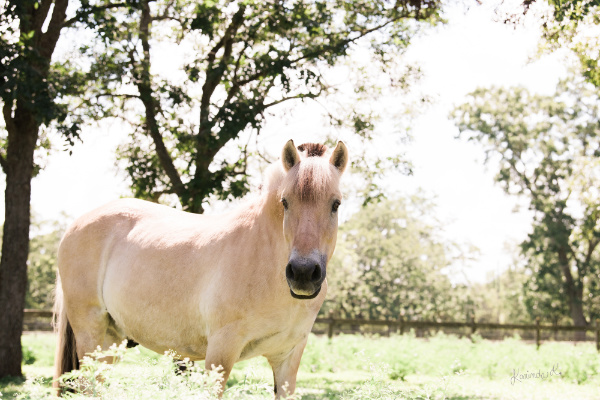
(151, 106)
(22, 138)
(574, 294)
(576, 309)
(32, 94)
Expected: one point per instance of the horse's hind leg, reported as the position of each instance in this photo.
(92, 328)
(89, 329)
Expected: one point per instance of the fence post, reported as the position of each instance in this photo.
(401, 322)
(473, 325)
(331, 322)
(598, 335)
(537, 332)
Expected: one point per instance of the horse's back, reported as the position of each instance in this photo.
(96, 239)
(88, 238)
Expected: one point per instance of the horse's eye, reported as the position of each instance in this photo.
(285, 203)
(335, 206)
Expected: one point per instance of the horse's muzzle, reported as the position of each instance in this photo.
(305, 274)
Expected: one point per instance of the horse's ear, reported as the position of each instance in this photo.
(339, 157)
(289, 155)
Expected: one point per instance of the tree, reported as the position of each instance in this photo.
(547, 148)
(389, 262)
(570, 24)
(248, 56)
(542, 295)
(33, 93)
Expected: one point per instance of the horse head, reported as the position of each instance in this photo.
(310, 197)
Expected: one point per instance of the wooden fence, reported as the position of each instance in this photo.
(37, 320)
(334, 325)
(40, 320)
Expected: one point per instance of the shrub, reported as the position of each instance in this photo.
(28, 356)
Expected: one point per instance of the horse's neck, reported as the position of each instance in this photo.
(264, 216)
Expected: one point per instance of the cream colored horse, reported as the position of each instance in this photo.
(216, 288)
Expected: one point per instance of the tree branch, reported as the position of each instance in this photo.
(83, 13)
(213, 78)
(7, 114)
(346, 41)
(214, 75)
(125, 95)
(592, 246)
(166, 17)
(156, 195)
(298, 96)
(144, 86)
(40, 15)
(10, 126)
(3, 163)
(48, 40)
(237, 84)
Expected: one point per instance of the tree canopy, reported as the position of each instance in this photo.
(235, 61)
(547, 149)
(572, 24)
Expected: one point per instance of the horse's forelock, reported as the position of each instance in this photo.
(310, 180)
(313, 149)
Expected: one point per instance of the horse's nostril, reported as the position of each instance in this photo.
(289, 272)
(302, 272)
(316, 275)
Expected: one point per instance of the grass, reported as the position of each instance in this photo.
(348, 367)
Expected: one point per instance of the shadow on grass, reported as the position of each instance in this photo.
(10, 386)
(331, 389)
(470, 398)
(332, 394)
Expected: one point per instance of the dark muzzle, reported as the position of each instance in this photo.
(305, 275)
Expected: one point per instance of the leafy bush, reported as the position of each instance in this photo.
(28, 356)
(128, 381)
(400, 369)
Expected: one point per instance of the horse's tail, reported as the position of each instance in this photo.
(66, 358)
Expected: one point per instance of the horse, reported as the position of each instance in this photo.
(219, 288)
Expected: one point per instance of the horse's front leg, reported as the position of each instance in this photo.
(285, 368)
(224, 349)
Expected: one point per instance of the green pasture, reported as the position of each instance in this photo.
(347, 367)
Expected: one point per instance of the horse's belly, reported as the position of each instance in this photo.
(156, 324)
(161, 334)
(194, 351)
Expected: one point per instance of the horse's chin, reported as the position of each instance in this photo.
(305, 296)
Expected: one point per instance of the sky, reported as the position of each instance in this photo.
(474, 51)
(471, 50)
